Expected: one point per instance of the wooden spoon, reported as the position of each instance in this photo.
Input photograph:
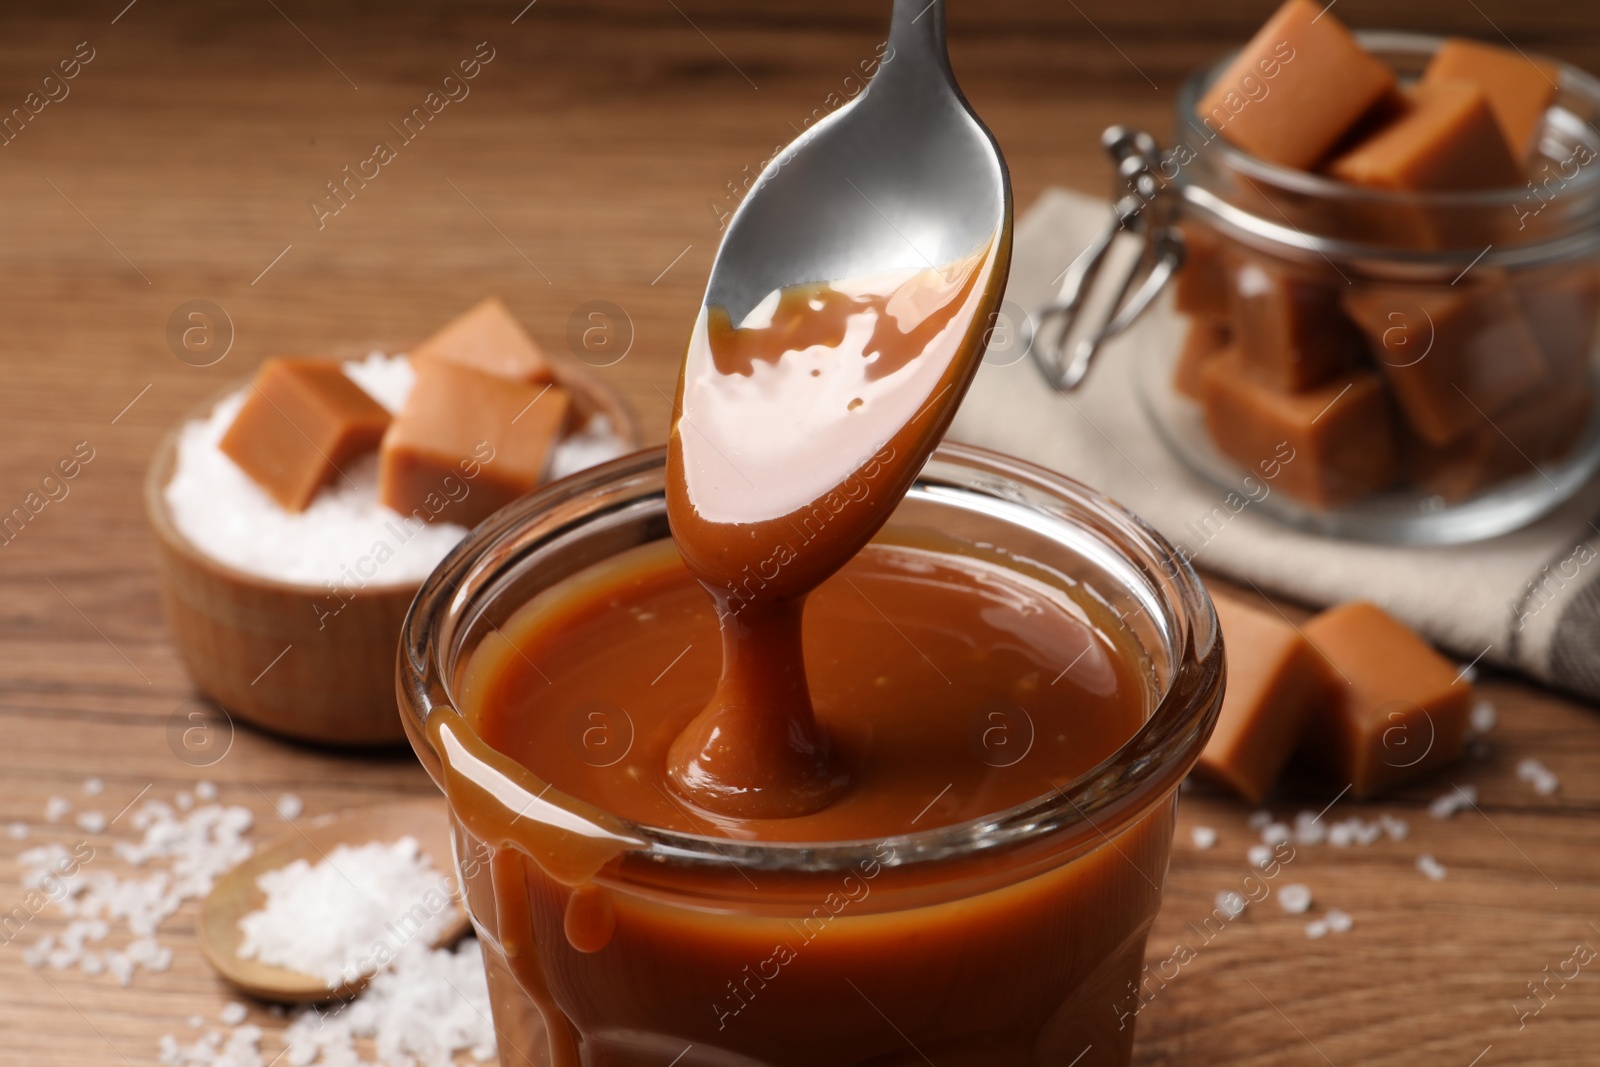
(236, 893)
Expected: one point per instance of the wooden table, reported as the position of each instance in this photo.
(590, 162)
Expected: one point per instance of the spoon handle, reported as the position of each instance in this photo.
(917, 43)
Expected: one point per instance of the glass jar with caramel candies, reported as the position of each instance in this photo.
(1407, 328)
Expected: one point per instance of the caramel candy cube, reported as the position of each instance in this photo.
(467, 443)
(1290, 330)
(1519, 89)
(1293, 91)
(1205, 340)
(488, 338)
(1400, 710)
(1325, 447)
(1445, 138)
(1453, 356)
(303, 420)
(1541, 427)
(1276, 682)
(1201, 286)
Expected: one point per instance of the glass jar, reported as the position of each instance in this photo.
(1079, 871)
(1404, 367)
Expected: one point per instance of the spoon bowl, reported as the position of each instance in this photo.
(904, 177)
(236, 894)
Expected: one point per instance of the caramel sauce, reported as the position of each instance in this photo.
(796, 432)
(939, 677)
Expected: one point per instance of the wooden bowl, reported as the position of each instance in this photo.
(257, 647)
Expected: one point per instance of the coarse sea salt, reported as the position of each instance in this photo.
(1309, 829)
(289, 807)
(354, 910)
(1539, 776)
(1431, 867)
(1204, 837)
(180, 857)
(1482, 718)
(227, 516)
(1458, 799)
(425, 1009)
(1295, 898)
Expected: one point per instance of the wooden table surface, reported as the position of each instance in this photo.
(590, 162)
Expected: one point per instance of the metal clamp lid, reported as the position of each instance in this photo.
(1149, 211)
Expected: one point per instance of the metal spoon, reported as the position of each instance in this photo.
(904, 176)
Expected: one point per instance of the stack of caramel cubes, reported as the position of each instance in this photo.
(1447, 388)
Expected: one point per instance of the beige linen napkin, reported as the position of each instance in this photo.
(1528, 600)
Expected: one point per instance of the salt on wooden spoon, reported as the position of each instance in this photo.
(238, 893)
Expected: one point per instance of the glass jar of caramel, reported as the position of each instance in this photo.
(1418, 366)
(1013, 935)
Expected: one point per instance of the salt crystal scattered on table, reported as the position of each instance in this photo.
(186, 854)
(1469, 673)
(1259, 855)
(425, 1009)
(1309, 829)
(205, 790)
(233, 1013)
(289, 807)
(1340, 835)
(1295, 898)
(1204, 837)
(1397, 829)
(1482, 718)
(1259, 820)
(56, 808)
(1449, 803)
(91, 822)
(93, 787)
(1539, 776)
(1230, 902)
(1338, 921)
(241, 1049)
(19, 831)
(1316, 928)
(1276, 833)
(1431, 867)
(327, 920)
(184, 800)
(196, 1021)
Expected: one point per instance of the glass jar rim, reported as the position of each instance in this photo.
(1075, 817)
(1584, 188)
